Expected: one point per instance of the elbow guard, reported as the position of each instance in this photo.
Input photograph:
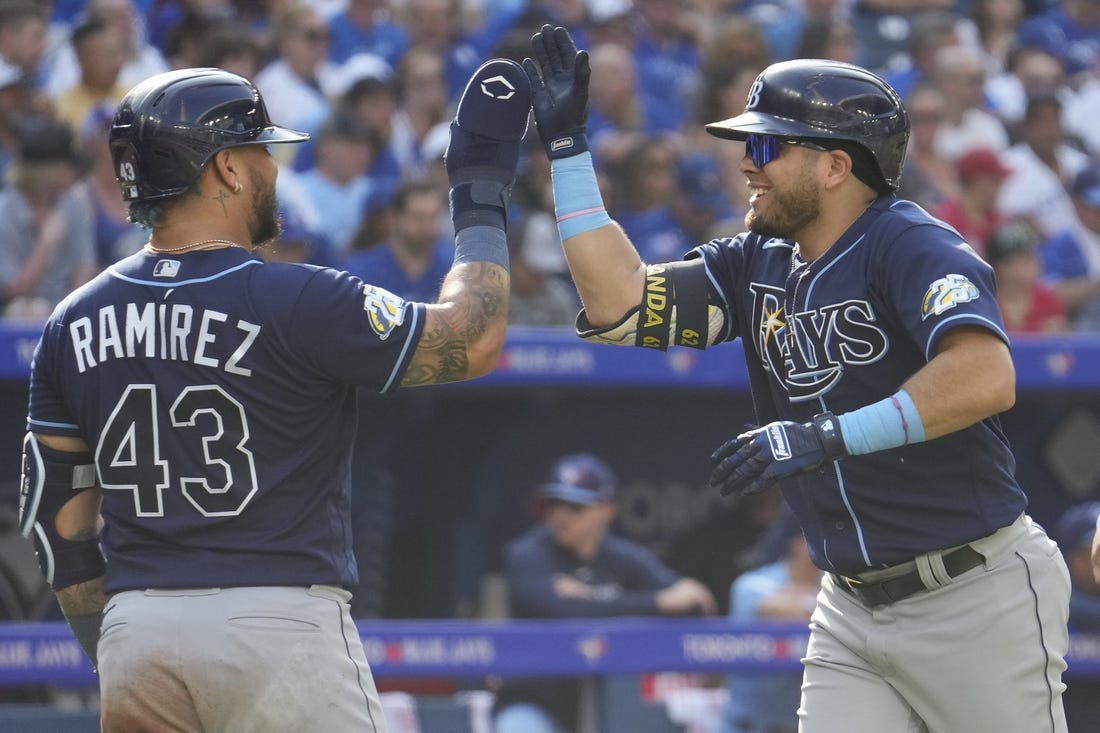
(50, 478)
(675, 310)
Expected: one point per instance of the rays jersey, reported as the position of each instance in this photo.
(847, 330)
(218, 394)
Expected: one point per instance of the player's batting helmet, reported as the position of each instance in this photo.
(168, 126)
(826, 100)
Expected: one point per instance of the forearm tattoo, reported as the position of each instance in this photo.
(476, 296)
(82, 598)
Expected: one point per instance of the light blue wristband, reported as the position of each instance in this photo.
(888, 423)
(577, 201)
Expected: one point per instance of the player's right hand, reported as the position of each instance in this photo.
(755, 460)
(560, 84)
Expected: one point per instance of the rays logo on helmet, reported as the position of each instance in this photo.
(385, 310)
(946, 293)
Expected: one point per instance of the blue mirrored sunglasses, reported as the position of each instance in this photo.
(763, 149)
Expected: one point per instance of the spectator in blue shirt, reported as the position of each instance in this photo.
(571, 565)
(419, 252)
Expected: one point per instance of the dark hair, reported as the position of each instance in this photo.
(90, 28)
(863, 163)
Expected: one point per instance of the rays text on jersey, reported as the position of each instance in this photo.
(176, 332)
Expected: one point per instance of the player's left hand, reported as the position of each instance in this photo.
(755, 460)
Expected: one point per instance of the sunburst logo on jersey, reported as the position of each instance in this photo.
(385, 310)
(771, 325)
(946, 293)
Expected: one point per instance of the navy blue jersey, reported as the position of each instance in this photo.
(218, 393)
(847, 330)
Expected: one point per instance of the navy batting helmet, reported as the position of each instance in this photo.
(168, 126)
(826, 100)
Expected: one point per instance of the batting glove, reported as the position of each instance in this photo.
(560, 91)
(483, 151)
(755, 460)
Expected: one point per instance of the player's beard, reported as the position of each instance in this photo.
(266, 225)
(788, 212)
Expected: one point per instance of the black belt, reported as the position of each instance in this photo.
(883, 592)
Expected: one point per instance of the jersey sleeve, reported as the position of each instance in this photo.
(356, 332)
(933, 281)
(47, 412)
(724, 261)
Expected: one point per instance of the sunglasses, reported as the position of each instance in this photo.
(763, 149)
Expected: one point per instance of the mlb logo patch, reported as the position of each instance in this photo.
(166, 268)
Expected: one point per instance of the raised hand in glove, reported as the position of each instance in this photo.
(483, 150)
(755, 460)
(560, 85)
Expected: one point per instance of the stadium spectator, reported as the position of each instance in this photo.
(827, 34)
(1032, 72)
(783, 587)
(1071, 258)
(441, 25)
(46, 241)
(667, 56)
(644, 186)
(338, 184)
(23, 38)
(1028, 305)
(140, 59)
(615, 121)
(292, 84)
(538, 297)
(421, 107)
(419, 252)
(990, 26)
(928, 178)
(115, 236)
(973, 212)
(1070, 30)
(959, 73)
(700, 204)
(884, 30)
(1043, 162)
(16, 104)
(930, 32)
(99, 54)
(367, 26)
(572, 565)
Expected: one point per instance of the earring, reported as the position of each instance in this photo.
(237, 187)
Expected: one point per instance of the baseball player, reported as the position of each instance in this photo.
(203, 402)
(878, 363)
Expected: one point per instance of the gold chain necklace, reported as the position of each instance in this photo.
(194, 245)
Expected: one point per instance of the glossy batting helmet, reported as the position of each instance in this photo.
(168, 126)
(826, 100)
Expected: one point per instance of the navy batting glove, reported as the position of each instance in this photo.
(755, 460)
(560, 84)
(483, 151)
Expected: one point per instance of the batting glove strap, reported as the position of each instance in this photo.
(828, 431)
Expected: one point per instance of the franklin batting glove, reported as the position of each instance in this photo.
(560, 92)
(483, 151)
(755, 460)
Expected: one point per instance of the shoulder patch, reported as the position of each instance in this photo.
(946, 293)
(166, 268)
(385, 310)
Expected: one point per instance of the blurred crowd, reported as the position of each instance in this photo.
(1001, 95)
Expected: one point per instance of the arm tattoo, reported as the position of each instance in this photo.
(476, 300)
(82, 598)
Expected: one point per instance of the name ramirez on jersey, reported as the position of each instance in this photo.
(174, 332)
